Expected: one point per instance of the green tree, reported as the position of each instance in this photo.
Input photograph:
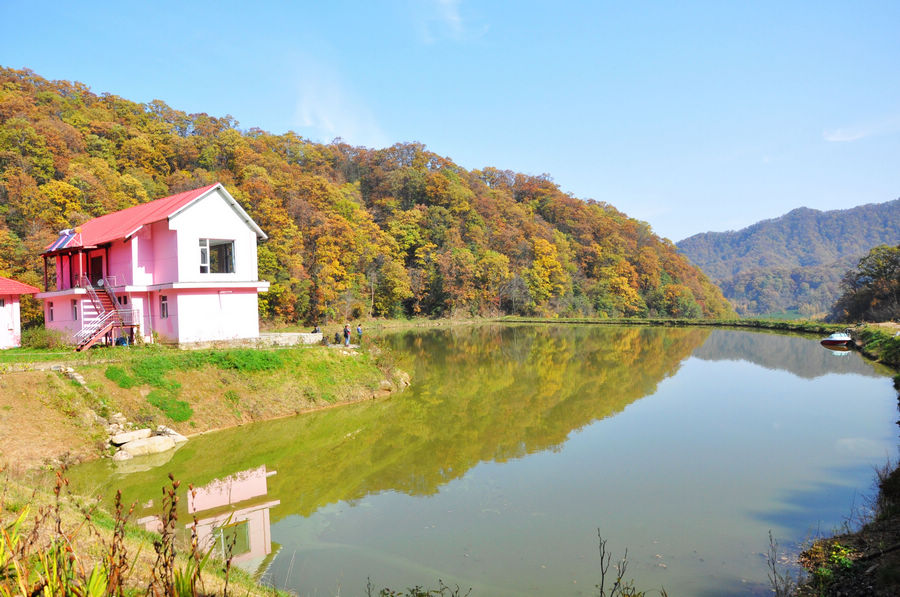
(872, 290)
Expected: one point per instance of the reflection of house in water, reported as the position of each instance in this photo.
(237, 517)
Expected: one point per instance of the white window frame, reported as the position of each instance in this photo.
(163, 306)
(50, 310)
(207, 246)
(74, 310)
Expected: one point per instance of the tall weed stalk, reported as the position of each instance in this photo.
(45, 555)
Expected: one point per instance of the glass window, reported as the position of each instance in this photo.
(2, 302)
(50, 310)
(74, 310)
(163, 306)
(216, 256)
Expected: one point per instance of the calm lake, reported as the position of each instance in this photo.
(516, 444)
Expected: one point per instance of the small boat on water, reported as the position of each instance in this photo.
(837, 339)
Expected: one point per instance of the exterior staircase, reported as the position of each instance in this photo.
(108, 314)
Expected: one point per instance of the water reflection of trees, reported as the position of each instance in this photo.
(802, 356)
(486, 393)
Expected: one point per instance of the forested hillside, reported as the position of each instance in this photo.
(794, 262)
(352, 231)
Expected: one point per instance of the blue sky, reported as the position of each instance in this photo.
(692, 116)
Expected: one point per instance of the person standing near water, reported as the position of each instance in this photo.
(346, 334)
(359, 333)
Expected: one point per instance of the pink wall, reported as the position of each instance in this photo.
(62, 313)
(120, 263)
(10, 328)
(230, 490)
(164, 242)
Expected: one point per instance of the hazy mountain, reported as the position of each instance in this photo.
(794, 262)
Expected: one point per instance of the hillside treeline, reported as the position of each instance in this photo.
(352, 231)
(795, 262)
(871, 291)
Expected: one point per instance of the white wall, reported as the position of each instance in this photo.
(202, 316)
(10, 328)
(213, 218)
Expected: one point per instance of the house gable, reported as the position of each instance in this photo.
(214, 225)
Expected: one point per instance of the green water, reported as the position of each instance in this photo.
(516, 444)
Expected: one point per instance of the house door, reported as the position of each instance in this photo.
(96, 267)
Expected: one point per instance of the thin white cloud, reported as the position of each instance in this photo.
(327, 108)
(887, 126)
(443, 19)
(450, 16)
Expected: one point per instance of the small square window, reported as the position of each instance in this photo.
(216, 256)
(163, 306)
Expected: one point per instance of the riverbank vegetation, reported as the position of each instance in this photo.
(54, 415)
(865, 561)
(53, 543)
(871, 291)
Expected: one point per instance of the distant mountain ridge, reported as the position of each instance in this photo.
(794, 262)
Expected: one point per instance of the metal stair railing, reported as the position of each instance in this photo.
(85, 282)
(88, 330)
(102, 324)
(108, 283)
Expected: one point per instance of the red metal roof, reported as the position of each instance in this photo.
(8, 286)
(121, 224)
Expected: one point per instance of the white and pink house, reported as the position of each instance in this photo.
(183, 268)
(10, 324)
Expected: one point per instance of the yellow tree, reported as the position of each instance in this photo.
(546, 277)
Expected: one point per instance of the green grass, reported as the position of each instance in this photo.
(238, 359)
(120, 377)
(885, 346)
(322, 372)
(168, 402)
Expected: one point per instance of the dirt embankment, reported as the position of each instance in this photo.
(62, 415)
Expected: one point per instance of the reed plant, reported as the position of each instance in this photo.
(61, 546)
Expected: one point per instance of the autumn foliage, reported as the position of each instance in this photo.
(872, 290)
(352, 231)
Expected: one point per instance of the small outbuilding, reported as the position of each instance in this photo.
(10, 324)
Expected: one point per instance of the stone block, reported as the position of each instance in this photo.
(149, 445)
(129, 436)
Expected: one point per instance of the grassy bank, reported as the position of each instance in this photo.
(52, 416)
(58, 544)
